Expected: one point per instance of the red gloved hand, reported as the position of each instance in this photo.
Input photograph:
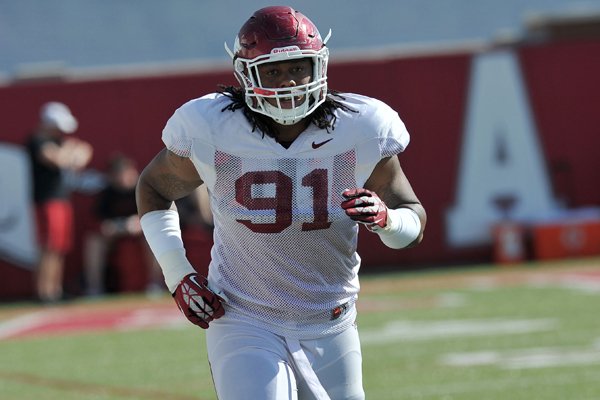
(364, 206)
(197, 302)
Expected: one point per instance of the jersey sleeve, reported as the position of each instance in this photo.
(176, 134)
(190, 125)
(393, 137)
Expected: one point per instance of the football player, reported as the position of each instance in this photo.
(292, 169)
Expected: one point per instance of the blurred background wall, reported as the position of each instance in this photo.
(124, 67)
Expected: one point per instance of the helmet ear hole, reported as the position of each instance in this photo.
(238, 66)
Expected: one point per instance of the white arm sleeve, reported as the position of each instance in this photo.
(163, 234)
(403, 227)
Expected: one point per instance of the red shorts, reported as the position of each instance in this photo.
(55, 225)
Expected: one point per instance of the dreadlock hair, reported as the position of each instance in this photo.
(323, 117)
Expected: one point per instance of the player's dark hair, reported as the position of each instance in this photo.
(323, 117)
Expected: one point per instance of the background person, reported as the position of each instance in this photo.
(53, 152)
(292, 169)
(194, 210)
(116, 212)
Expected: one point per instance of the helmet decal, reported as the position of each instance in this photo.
(278, 50)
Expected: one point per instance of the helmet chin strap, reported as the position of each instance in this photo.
(286, 116)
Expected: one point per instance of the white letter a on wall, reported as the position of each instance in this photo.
(502, 172)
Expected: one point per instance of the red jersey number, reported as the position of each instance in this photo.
(281, 202)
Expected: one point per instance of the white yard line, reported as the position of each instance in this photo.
(22, 323)
(400, 330)
(541, 357)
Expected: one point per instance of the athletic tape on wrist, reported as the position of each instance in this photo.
(403, 227)
(163, 234)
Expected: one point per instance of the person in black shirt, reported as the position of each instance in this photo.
(53, 152)
(117, 214)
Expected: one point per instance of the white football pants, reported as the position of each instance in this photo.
(249, 363)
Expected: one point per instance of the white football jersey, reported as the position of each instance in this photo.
(284, 251)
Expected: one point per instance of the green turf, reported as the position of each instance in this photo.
(411, 326)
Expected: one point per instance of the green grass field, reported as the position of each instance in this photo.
(530, 331)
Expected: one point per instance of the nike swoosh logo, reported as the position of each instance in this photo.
(193, 279)
(317, 145)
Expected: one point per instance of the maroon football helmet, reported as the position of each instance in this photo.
(274, 34)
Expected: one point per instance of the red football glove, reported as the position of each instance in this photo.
(197, 302)
(365, 207)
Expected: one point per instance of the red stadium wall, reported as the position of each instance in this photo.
(429, 92)
(564, 88)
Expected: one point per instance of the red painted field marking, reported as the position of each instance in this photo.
(66, 320)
